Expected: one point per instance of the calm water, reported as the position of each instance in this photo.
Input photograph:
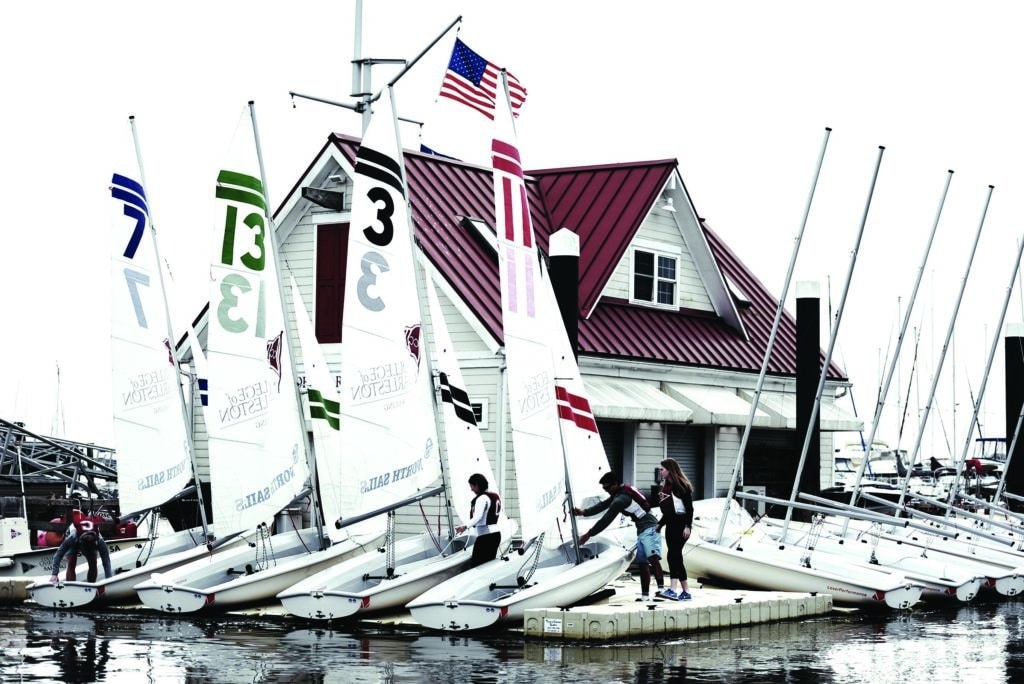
(983, 643)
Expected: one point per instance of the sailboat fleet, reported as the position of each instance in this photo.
(314, 528)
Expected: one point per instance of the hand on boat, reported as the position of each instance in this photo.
(584, 538)
(53, 579)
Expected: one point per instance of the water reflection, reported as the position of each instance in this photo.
(983, 642)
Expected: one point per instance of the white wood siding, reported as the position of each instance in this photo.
(658, 229)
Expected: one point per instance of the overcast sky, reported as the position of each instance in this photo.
(740, 93)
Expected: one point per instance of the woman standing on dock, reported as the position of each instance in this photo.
(676, 503)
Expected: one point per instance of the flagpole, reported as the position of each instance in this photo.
(170, 335)
(317, 512)
(358, 77)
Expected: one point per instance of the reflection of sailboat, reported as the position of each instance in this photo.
(558, 572)
(259, 461)
(392, 433)
(154, 446)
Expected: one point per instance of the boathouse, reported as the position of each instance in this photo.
(671, 327)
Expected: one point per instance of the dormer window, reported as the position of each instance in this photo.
(655, 277)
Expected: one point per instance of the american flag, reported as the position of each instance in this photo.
(473, 81)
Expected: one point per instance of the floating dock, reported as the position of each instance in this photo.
(623, 618)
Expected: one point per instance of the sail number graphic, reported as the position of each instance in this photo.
(243, 192)
(385, 171)
(132, 194)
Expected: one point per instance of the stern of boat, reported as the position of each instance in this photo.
(319, 605)
(454, 615)
(64, 594)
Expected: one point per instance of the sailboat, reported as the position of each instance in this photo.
(155, 454)
(553, 570)
(377, 582)
(259, 461)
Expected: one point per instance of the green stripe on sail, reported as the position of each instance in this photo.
(243, 184)
(326, 409)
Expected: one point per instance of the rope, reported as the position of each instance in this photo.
(813, 535)
(533, 561)
(435, 538)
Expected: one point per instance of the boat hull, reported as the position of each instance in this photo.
(747, 555)
(238, 577)
(765, 566)
(363, 584)
(119, 589)
(491, 595)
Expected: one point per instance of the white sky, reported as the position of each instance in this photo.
(739, 92)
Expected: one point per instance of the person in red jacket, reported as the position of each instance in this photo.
(676, 503)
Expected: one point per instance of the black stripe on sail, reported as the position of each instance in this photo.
(459, 400)
(380, 167)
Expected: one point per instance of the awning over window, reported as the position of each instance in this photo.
(629, 399)
(832, 418)
(721, 406)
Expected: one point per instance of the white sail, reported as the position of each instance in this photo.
(154, 458)
(257, 449)
(324, 412)
(585, 454)
(464, 445)
(388, 431)
(531, 371)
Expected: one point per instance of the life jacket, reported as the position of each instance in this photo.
(639, 506)
(493, 511)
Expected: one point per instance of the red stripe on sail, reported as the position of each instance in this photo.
(506, 195)
(575, 408)
(500, 147)
(524, 207)
(508, 166)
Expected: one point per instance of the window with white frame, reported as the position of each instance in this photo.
(655, 276)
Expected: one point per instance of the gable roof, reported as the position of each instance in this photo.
(605, 205)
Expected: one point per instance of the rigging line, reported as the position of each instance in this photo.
(910, 385)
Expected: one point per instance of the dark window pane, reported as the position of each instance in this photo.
(643, 263)
(643, 276)
(666, 292)
(667, 268)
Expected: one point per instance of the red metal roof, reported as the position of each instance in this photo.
(605, 206)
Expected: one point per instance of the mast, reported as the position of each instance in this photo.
(893, 364)
(286, 341)
(942, 353)
(170, 339)
(832, 343)
(435, 375)
(771, 340)
(954, 490)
